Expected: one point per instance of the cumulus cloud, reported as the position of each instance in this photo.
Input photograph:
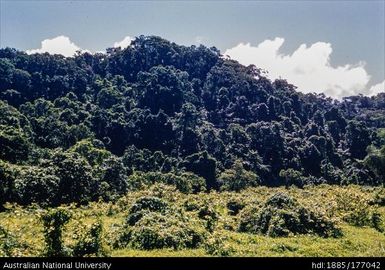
(376, 89)
(58, 45)
(308, 67)
(123, 43)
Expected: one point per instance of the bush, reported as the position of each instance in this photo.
(234, 206)
(7, 179)
(209, 215)
(281, 215)
(364, 216)
(292, 177)
(359, 209)
(152, 224)
(237, 178)
(37, 185)
(15, 146)
(8, 243)
(144, 205)
(91, 242)
(53, 223)
(77, 183)
(157, 230)
(113, 178)
(216, 245)
(379, 198)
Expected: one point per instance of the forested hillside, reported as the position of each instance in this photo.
(140, 131)
(76, 129)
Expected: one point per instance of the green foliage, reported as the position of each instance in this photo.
(292, 177)
(77, 184)
(114, 177)
(144, 205)
(359, 212)
(185, 182)
(209, 215)
(9, 243)
(7, 180)
(376, 163)
(281, 215)
(162, 88)
(203, 165)
(216, 245)
(53, 223)
(37, 185)
(92, 150)
(91, 243)
(378, 198)
(24, 233)
(14, 144)
(357, 139)
(237, 178)
(234, 206)
(157, 230)
(153, 224)
(157, 112)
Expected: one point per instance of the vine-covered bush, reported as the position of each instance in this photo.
(144, 205)
(209, 215)
(281, 215)
(152, 224)
(91, 243)
(157, 230)
(53, 223)
(216, 245)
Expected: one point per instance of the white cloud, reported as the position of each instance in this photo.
(123, 43)
(58, 45)
(308, 68)
(376, 89)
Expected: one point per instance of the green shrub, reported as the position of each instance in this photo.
(358, 209)
(209, 215)
(37, 185)
(113, 178)
(364, 216)
(77, 183)
(376, 222)
(237, 178)
(91, 242)
(157, 230)
(7, 179)
(9, 244)
(144, 205)
(281, 215)
(234, 206)
(191, 205)
(185, 182)
(216, 245)
(53, 223)
(379, 198)
(153, 224)
(292, 177)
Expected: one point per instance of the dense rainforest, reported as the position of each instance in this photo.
(95, 126)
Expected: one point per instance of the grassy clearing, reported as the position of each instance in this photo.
(334, 201)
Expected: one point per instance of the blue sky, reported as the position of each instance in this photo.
(348, 36)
